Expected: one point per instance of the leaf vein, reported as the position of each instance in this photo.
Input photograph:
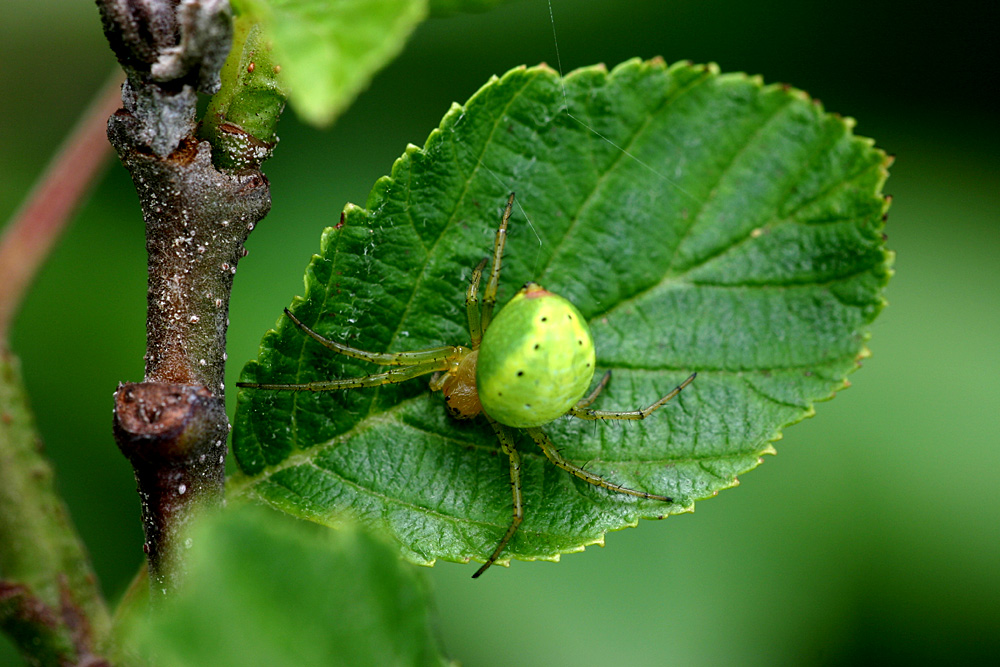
(418, 280)
(723, 173)
(625, 150)
(763, 394)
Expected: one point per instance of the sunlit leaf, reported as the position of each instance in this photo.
(329, 51)
(700, 221)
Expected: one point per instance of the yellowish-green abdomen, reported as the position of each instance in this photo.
(536, 360)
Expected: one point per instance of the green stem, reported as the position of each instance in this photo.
(241, 119)
(49, 601)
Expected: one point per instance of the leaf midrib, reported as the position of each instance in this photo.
(237, 485)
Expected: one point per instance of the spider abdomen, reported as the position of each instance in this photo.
(536, 360)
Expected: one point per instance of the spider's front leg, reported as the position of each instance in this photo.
(413, 364)
(393, 376)
(472, 305)
(478, 318)
(490, 295)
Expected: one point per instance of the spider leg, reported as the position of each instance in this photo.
(392, 376)
(413, 358)
(553, 455)
(583, 412)
(585, 402)
(472, 305)
(507, 445)
(490, 295)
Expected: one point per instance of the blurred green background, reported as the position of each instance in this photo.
(874, 535)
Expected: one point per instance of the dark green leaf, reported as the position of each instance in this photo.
(329, 51)
(266, 590)
(701, 222)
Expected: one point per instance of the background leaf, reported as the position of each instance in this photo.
(266, 590)
(701, 222)
(329, 51)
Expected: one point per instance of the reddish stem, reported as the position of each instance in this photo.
(33, 230)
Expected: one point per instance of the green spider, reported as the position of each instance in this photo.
(528, 366)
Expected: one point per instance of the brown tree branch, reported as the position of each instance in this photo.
(173, 426)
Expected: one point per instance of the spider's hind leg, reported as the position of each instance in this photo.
(414, 358)
(558, 459)
(507, 444)
(590, 398)
(581, 411)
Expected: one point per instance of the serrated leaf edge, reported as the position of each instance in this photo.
(242, 484)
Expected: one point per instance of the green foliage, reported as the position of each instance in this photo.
(265, 590)
(699, 221)
(328, 51)
(45, 577)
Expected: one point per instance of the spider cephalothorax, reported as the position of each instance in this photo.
(526, 367)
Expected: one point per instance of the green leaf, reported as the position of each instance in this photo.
(329, 51)
(700, 221)
(264, 590)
